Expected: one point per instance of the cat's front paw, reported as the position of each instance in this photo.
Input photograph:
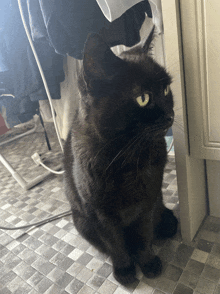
(153, 268)
(167, 228)
(125, 275)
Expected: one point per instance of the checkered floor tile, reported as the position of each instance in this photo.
(53, 258)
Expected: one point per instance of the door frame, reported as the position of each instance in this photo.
(191, 175)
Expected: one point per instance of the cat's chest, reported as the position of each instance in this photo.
(132, 194)
(132, 182)
(133, 212)
(134, 167)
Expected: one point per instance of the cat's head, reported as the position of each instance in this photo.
(126, 93)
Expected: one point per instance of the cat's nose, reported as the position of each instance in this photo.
(170, 118)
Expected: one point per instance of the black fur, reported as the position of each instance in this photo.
(115, 156)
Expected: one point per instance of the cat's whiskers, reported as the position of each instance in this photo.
(138, 159)
(106, 145)
(123, 150)
(142, 137)
(177, 109)
(178, 125)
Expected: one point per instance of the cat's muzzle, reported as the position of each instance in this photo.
(169, 119)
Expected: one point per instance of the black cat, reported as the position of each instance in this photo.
(115, 156)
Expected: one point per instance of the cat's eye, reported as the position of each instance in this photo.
(167, 90)
(143, 100)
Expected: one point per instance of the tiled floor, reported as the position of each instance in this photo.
(54, 259)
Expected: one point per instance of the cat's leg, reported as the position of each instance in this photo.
(124, 268)
(167, 227)
(149, 263)
(109, 239)
(165, 224)
(87, 228)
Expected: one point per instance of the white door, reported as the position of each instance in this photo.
(200, 22)
(201, 46)
(184, 50)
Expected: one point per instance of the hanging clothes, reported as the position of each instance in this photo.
(19, 73)
(112, 9)
(56, 27)
(68, 22)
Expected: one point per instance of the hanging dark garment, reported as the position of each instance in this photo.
(19, 73)
(68, 22)
(56, 27)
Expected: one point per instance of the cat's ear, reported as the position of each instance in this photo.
(147, 43)
(99, 62)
